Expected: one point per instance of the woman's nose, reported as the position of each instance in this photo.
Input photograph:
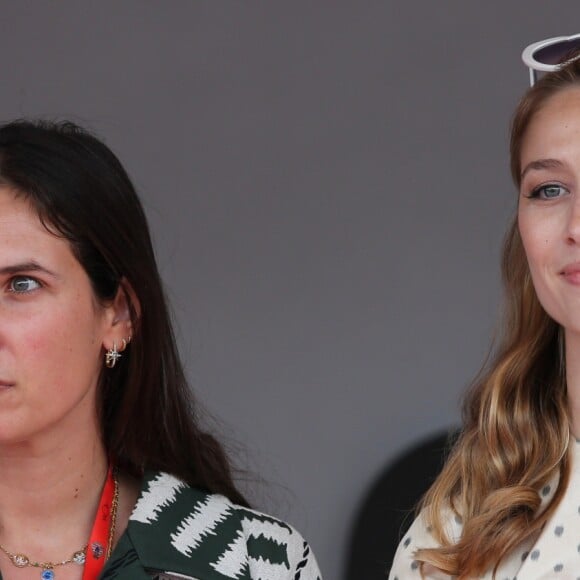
(573, 226)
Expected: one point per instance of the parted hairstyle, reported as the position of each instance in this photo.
(82, 193)
(515, 416)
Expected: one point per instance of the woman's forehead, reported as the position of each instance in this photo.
(22, 233)
(554, 129)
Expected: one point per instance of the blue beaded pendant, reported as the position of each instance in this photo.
(47, 575)
(97, 550)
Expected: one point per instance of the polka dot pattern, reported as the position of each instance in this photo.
(553, 553)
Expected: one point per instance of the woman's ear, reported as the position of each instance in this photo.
(124, 312)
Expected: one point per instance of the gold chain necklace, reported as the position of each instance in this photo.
(114, 505)
(79, 557)
(23, 561)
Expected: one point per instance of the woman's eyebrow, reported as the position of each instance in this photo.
(541, 164)
(25, 267)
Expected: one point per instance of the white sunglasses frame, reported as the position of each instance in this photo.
(535, 65)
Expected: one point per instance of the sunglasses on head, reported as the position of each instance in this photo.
(549, 55)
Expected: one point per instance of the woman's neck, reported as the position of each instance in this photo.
(573, 380)
(49, 493)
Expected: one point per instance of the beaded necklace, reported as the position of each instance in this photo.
(94, 554)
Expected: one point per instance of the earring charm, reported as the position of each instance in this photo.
(112, 356)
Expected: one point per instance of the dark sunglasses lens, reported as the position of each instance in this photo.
(558, 52)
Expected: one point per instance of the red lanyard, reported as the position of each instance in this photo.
(101, 538)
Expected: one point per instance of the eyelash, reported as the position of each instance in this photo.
(536, 192)
(19, 278)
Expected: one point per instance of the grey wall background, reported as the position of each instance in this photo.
(327, 184)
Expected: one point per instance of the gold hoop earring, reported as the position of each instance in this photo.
(112, 356)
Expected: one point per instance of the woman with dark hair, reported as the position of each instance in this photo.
(105, 472)
(506, 504)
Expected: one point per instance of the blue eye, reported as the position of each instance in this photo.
(23, 284)
(549, 191)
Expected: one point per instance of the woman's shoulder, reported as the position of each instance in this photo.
(207, 536)
(420, 535)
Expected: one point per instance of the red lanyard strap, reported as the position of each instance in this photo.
(101, 538)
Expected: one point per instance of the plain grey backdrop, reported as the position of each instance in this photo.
(327, 184)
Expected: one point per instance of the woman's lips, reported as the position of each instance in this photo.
(571, 273)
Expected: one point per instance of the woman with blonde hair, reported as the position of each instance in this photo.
(507, 503)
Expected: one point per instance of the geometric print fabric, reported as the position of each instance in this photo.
(178, 532)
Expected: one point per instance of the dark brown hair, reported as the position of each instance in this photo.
(81, 192)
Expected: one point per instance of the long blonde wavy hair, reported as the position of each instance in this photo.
(516, 424)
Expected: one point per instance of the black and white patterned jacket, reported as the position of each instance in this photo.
(178, 532)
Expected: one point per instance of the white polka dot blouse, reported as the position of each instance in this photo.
(553, 554)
